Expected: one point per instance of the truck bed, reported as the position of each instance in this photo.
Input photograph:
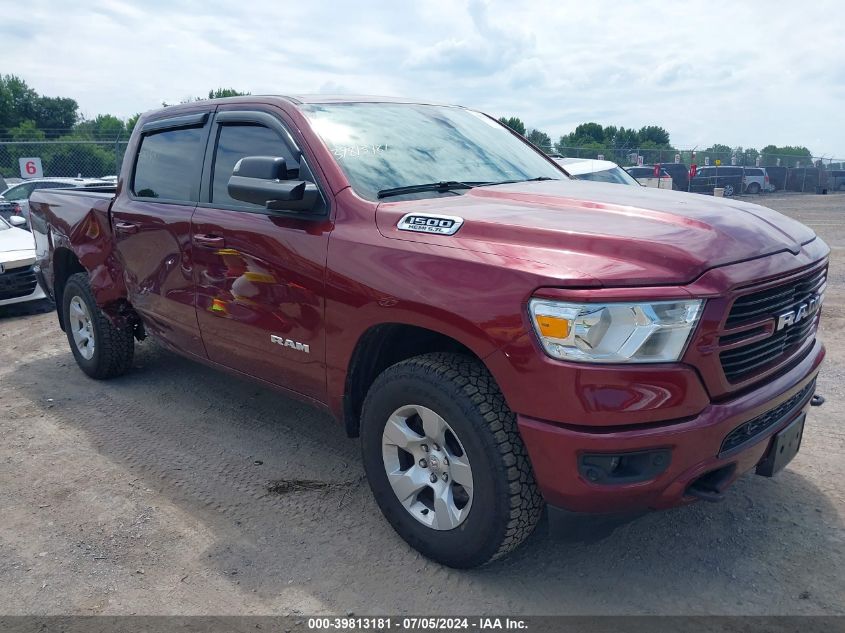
(76, 221)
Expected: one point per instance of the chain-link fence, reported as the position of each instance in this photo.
(76, 158)
(780, 172)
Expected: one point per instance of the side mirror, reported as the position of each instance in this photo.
(263, 180)
(17, 220)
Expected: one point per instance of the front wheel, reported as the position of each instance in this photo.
(101, 350)
(445, 460)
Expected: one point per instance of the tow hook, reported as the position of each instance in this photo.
(711, 486)
(817, 401)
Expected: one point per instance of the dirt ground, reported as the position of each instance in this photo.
(181, 490)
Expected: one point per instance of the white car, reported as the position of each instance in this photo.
(15, 199)
(18, 282)
(596, 170)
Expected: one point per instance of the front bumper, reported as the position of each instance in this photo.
(694, 443)
(19, 283)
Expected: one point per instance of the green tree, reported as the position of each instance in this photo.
(103, 127)
(514, 123)
(56, 115)
(26, 131)
(540, 139)
(131, 122)
(17, 102)
(220, 93)
(653, 134)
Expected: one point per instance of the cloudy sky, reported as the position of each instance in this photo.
(740, 73)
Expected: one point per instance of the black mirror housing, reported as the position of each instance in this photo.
(263, 167)
(263, 180)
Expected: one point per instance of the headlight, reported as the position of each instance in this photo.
(654, 332)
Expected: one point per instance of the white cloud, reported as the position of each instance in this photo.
(738, 73)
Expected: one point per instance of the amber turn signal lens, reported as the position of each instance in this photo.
(553, 327)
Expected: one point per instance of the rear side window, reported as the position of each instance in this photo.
(754, 172)
(233, 143)
(169, 165)
(21, 192)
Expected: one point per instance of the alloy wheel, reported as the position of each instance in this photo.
(427, 467)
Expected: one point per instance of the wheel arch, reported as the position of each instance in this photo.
(381, 346)
(65, 264)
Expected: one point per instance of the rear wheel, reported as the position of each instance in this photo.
(445, 460)
(753, 188)
(101, 350)
(729, 190)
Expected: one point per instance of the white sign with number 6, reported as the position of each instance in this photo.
(31, 167)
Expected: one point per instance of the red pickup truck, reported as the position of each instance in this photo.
(499, 336)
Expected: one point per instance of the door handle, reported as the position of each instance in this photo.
(125, 227)
(209, 241)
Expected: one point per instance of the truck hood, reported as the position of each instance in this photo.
(605, 234)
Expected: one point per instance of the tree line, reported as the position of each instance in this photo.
(92, 147)
(621, 144)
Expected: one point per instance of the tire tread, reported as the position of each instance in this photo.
(473, 380)
(116, 345)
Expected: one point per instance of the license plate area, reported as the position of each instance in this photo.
(783, 448)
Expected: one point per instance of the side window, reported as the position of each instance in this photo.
(21, 192)
(169, 165)
(233, 143)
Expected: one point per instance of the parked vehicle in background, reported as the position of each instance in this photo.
(596, 170)
(645, 176)
(499, 335)
(755, 180)
(18, 282)
(679, 173)
(708, 178)
(732, 179)
(15, 199)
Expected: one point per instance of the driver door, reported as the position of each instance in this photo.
(259, 274)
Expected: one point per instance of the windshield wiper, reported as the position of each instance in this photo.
(508, 182)
(441, 187)
(450, 185)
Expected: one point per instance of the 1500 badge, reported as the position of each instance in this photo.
(426, 223)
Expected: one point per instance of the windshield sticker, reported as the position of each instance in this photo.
(356, 151)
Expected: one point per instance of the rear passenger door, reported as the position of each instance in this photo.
(151, 220)
(259, 273)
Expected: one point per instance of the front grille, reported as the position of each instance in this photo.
(741, 362)
(17, 282)
(775, 300)
(752, 429)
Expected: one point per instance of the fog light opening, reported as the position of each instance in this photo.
(624, 468)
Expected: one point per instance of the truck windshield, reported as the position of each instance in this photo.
(381, 146)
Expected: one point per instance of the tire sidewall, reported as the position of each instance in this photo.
(75, 289)
(476, 539)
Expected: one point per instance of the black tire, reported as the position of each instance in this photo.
(753, 188)
(113, 347)
(506, 505)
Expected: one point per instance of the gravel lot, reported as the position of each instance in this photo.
(181, 490)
